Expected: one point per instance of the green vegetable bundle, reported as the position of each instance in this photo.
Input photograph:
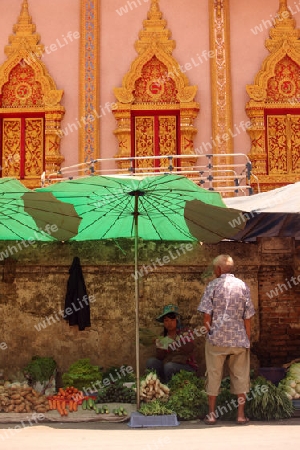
(180, 379)
(82, 375)
(189, 402)
(269, 403)
(39, 369)
(188, 398)
(291, 383)
(115, 393)
(155, 408)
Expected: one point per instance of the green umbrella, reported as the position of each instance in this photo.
(34, 216)
(149, 208)
(59, 219)
(15, 222)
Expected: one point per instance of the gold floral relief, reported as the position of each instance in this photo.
(277, 144)
(167, 140)
(155, 84)
(34, 131)
(11, 144)
(22, 90)
(285, 85)
(295, 143)
(144, 139)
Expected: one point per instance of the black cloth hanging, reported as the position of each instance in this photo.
(77, 304)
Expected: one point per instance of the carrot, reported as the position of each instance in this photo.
(61, 391)
(71, 405)
(63, 404)
(58, 407)
(54, 404)
(75, 406)
(50, 404)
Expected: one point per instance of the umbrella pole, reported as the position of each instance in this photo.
(137, 341)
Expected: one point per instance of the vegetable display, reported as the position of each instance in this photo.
(270, 404)
(66, 400)
(152, 388)
(81, 375)
(291, 383)
(187, 396)
(183, 396)
(116, 393)
(154, 408)
(22, 400)
(39, 369)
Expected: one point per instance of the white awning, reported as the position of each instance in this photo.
(281, 200)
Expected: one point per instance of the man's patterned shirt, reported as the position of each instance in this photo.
(228, 300)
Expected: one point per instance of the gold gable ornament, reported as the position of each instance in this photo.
(30, 101)
(155, 107)
(274, 107)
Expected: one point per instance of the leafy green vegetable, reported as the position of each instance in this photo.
(115, 393)
(156, 407)
(180, 379)
(39, 369)
(189, 402)
(269, 403)
(225, 409)
(82, 375)
(115, 375)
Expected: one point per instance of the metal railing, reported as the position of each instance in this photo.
(224, 178)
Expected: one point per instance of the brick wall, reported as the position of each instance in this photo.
(33, 286)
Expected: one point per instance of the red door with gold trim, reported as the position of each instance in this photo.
(22, 145)
(155, 134)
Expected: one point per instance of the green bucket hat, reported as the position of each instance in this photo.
(168, 309)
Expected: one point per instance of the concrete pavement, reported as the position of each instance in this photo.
(194, 435)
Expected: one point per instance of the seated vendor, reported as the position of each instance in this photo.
(174, 349)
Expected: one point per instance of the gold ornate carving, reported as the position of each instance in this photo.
(34, 129)
(89, 104)
(155, 82)
(274, 106)
(27, 87)
(11, 143)
(221, 82)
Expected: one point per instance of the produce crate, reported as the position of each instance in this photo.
(138, 420)
(296, 404)
(273, 374)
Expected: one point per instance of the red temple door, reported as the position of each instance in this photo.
(155, 134)
(22, 145)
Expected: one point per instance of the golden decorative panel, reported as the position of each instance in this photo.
(89, 80)
(155, 135)
(34, 145)
(283, 143)
(285, 84)
(167, 135)
(27, 90)
(221, 92)
(23, 147)
(155, 83)
(22, 89)
(274, 107)
(11, 144)
(144, 136)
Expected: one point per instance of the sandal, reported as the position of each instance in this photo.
(208, 421)
(243, 422)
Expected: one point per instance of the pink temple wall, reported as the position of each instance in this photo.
(189, 24)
